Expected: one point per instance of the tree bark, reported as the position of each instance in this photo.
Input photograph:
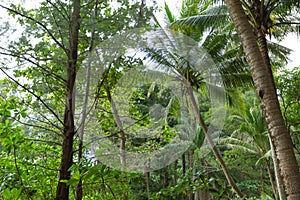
(266, 91)
(62, 191)
(271, 180)
(79, 189)
(212, 145)
(183, 164)
(278, 177)
(191, 162)
(263, 46)
(147, 176)
(175, 172)
(120, 127)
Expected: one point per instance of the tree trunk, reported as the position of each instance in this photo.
(62, 191)
(212, 145)
(191, 163)
(271, 180)
(262, 41)
(120, 127)
(79, 189)
(265, 89)
(278, 177)
(147, 176)
(183, 164)
(122, 134)
(175, 172)
(202, 195)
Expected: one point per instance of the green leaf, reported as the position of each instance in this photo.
(151, 89)
(170, 15)
(23, 113)
(6, 193)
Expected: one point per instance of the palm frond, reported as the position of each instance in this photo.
(214, 17)
(234, 143)
(278, 53)
(229, 59)
(287, 5)
(235, 101)
(191, 7)
(170, 15)
(266, 156)
(160, 58)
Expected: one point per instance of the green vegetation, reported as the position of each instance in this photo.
(60, 113)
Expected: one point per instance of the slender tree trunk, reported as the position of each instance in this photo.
(141, 20)
(265, 89)
(191, 162)
(183, 164)
(119, 125)
(122, 133)
(271, 180)
(202, 195)
(175, 175)
(212, 145)
(62, 191)
(191, 158)
(79, 189)
(278, 177)
(175, 172)
(147, 176)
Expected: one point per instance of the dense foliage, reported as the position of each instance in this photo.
(34, 86)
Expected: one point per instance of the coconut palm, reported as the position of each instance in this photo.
(265, 88)
(215, 20)
(194, 78)
(211, 27)
(262, 15)
(225, 50)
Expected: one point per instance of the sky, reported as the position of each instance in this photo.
(292, 41)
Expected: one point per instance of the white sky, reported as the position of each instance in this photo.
(292, 41)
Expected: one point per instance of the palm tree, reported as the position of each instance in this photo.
(262, 16)
(215, 22)
(252, 134)
(210, 25)
(271, 18)
(228, 57)
(196, 20)
(193, 80)
(265, 89)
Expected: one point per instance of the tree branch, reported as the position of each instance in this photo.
(36, 96)
(39, 23)
(12, 54)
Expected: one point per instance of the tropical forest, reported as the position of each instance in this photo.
(149, 100)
